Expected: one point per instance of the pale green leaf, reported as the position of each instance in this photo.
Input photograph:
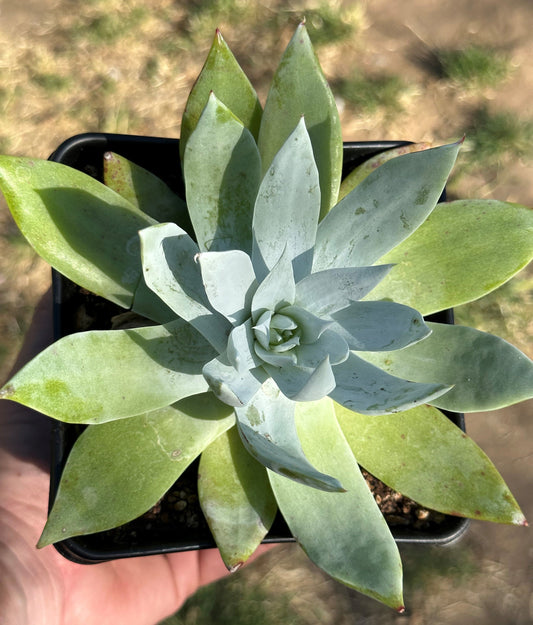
(357, 175)
(170, 271)
(147, 304)
(277, 289)
(464, 250)
(310, 326)
(98, 376)
(302, 383)
(144, 190)
(379, 326)
(345, 534)
(261, 329)
(233, 387)
(276, 359)
(328, 344)
(79, 226)
(325, 292)
(117, 471)
(362, 387)
(485, 371)
(287, 207)
(423, 455)
(299, 88)
(222, 171)
(268, 431)
(235, 497)
(240, 351)
(384, 209)
(221, 75)
(229, 282)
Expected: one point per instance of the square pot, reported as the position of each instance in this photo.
(177, 523)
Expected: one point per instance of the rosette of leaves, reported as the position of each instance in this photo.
(284, 339)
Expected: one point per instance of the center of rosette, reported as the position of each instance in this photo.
(277, 332)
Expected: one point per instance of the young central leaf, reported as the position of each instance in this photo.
(287, 207)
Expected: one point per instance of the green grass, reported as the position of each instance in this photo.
(473, 67)
(108, 27)
(371, 93)
(495, 137)
(50, 82)
(327, 25)
(206, 15)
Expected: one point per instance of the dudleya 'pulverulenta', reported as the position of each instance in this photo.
(286, 347)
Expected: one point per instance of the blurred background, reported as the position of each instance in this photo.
(421, 70)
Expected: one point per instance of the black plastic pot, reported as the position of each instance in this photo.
(148, 536)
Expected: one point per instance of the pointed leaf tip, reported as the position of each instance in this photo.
(7, 391)
(520, 520)
(235, 567)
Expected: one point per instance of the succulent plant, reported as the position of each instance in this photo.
(284, 337)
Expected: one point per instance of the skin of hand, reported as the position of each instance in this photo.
(41, 587)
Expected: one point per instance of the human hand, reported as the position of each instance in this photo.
(40, 586)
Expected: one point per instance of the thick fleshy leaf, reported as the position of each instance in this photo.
(241, 347)
(170, 270)
(345, 534)
(485, 371)
(287, 207)
(261, 329)
(235, 388)
(384, 209)
(299, 88)
(458, 478)
(267, 429)
(223, 76)
(117, 471)
(144, 190)
(378, 326)
(311, 327)
(147, 304)
(304, 383)
(79, 226)
(222, 171)
(98, 376)
(364, 388)
(235, 497)
(328, 291)
(276, 359)
(459, 254)
(357, 175)
(328, 344)
(277, 289)
(229, 283)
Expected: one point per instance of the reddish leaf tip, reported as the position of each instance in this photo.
(235, 567)
(520, 520)
(401, 609)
